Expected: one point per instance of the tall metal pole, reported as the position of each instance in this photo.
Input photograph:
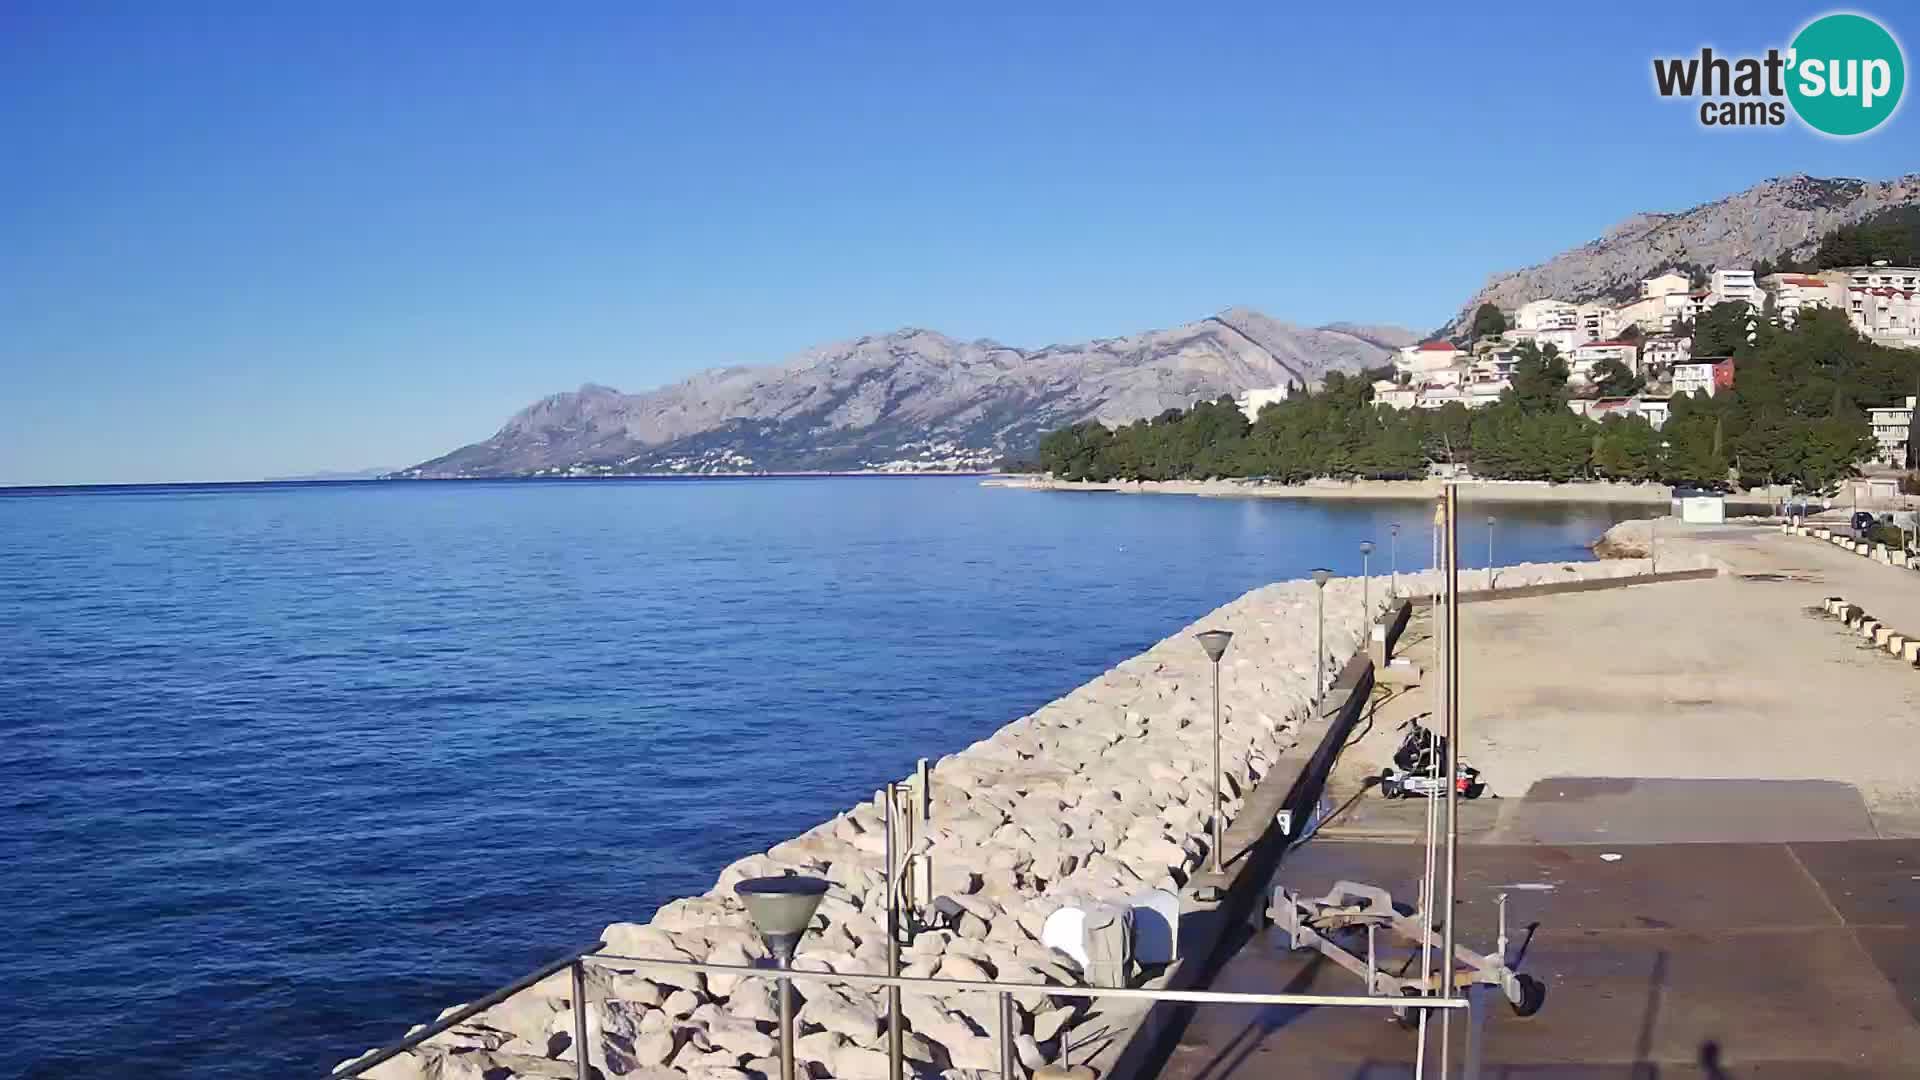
(894, 1060)
(786, 1023)
(1393, 552)
(926, 826)
(1453, 756)
(1320, 655)
(1489, 552)
(582, 1066)
(1653, 545)
(1366, 585)
(1219, 834)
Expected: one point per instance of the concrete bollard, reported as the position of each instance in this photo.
(1896, 642)
(1868, 626)
(1910, 652)
(1833, 604)
(1881, 633)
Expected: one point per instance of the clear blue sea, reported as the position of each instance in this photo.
(287, 768)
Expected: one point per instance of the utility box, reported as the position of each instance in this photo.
(1699, 507)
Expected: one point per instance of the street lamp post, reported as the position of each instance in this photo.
(1320, 578)
(1393, 552)
(1215, 643)
(1366, 582)
(781, 908)
(1489, 552)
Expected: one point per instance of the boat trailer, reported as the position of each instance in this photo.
(1324, 923)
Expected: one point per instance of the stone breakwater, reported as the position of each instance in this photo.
(1097, 795)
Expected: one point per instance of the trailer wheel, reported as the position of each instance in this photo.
(1533, 994)
(1408, 1019)
(1389, 785)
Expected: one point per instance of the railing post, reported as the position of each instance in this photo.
(786, 1028)
(1006, 1036)
(581, 1068)
(895, 1067)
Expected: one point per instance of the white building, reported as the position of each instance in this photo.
(1733, 286)
(1890, 427)
(1252, 401)
(1436, 394)
(1670, 283)
(1493, 367)
(1662, 352)
(1793, 293)
(1652, 314)
(1394, 396)
(1479, 395)
(1599, 322)
(1415, 360)
(1703, 375)
(1881, 304)
(1539, 315)
(1584, 358)
(1562, 340)
(1653, 409)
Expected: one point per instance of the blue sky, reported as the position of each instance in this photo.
(234, 246)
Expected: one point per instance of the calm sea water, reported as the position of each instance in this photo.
(286, 768)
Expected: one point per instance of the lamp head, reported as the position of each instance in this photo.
(1394, 528)
(1321, 576)
(1215, 642)
(1366, 547)
(781, 908)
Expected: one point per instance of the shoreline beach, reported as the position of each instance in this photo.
(1510, 491)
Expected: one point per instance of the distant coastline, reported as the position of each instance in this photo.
(1513, 491)
(180, 485)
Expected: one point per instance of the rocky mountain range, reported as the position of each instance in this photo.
(919, 400)
(909, 400)
(1784, 216)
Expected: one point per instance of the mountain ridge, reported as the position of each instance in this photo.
(910, 399)
(1782, 216)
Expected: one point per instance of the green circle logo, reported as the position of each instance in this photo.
(1846, 74)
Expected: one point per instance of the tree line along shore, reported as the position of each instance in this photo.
(1794, 416)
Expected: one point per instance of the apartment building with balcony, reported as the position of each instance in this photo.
(1724, 286)
(1890, 426)
(1793, 293)
(1537, 316)
(1436, 355)
(1883, 304)
(1584, 358)
(1661, 352)
(1703, 375)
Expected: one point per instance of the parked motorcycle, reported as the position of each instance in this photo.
(1419, 767)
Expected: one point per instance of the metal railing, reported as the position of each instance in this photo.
(1009, 1069)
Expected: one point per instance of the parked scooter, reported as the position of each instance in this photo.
(1419, 767)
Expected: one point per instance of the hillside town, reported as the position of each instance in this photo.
(1647, 344)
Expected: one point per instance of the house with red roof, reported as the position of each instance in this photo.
(1435, 355)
